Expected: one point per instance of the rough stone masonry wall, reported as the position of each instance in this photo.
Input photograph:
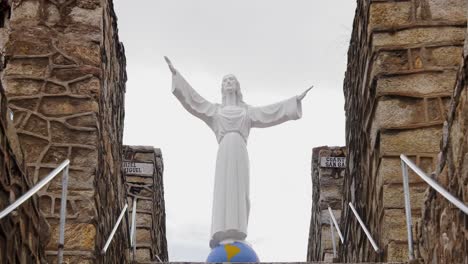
(64, 81)
(327, 184)
(402, 65)
(24, 232)
(443, 233)
(148, 190)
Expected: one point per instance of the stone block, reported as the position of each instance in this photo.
(70, 74)
(63, 105)
(27, 67)
(85, 53)
(26, 11)
(32, 146)
(77, 180)
(141, 156)
(394, 226)
(29, 104)
(89, 86)
(390, 61)
(419, 83)
(401, 111)
(30, 41)
(397, 251)
(390, 14)
(394, 197)
(85, 121)
(416, 36)
(325, 216)
(90, 17)
(37, 125)
(143, 219)
(326, 238)
(143, 254)
(77, 237)
(62, 134)
(390, 171)
(18, 87)
(143, 235)
(88, 4)
(448, 10)
(425, 140)
(145, 205)
(444, 56)
(52, 88)
(137, 179)
(83, 157)
(330, 196)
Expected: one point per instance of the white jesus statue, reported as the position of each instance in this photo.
(231, 122)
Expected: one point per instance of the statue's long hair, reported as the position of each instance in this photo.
(240, 100)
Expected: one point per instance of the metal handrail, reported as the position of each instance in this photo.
(369, 237)
(133, 230)
(111, 236)
(34, 189)
(405, 163)
(454, 200)
(336, 224)
(159, 258)
(65, 165)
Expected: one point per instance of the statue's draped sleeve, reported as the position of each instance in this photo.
(274, 114)
(191, 100)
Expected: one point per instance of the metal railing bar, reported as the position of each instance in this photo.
(111, 236)
(133, 233)
(34, 189)
(409, 222)
(63, 213)
(333, 238)
(435, 185)
(369, 237)
(159, 258)
(336, 224)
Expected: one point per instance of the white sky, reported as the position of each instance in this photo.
(276, 49)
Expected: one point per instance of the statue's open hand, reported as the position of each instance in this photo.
(300, 97)
(171, 67)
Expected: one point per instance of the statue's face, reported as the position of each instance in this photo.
(230, 83)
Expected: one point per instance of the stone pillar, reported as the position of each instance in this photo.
(327, 183)
(143, 167)
(443, 229)
(402, 67)
(26, 222)
(65, 81)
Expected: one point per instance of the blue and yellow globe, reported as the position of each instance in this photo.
(233, 252)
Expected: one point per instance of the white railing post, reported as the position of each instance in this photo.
(333, 238)
(336, 224)
(133, 233)
(111, 236)
(369, 237)
(409, 222)
(63, 213)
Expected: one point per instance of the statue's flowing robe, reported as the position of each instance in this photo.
(231, 125)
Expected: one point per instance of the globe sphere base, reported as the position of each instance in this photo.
(233, 252)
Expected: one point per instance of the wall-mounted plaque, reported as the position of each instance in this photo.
(333, 162)
(138, 168)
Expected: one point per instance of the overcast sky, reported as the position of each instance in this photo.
(276, 49)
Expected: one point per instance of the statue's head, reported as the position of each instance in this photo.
(231, 85)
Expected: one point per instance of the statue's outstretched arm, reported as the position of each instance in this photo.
(189, 98)
(171, 67)
(302, 95)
